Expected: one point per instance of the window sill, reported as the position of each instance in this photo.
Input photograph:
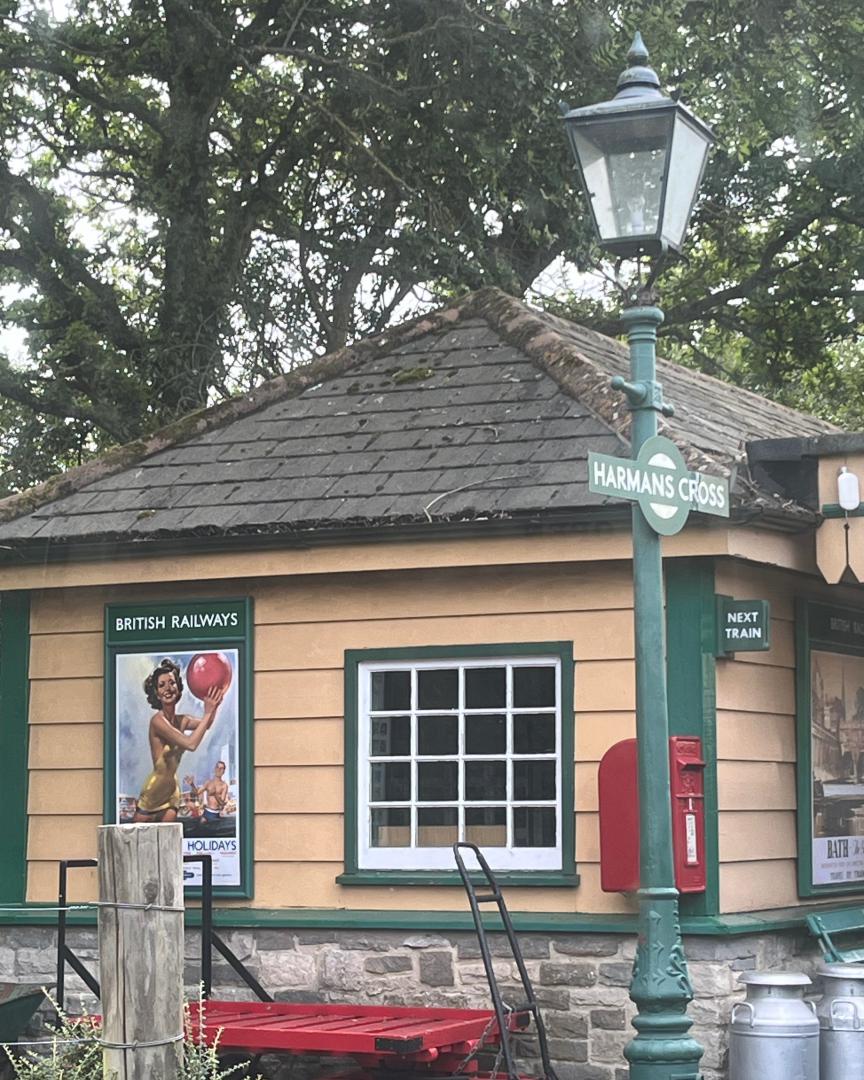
(547, 879)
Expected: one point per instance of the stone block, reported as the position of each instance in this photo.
(241, 943)
(551, 974)
(608, 1045)
(343, 971)
(552, 999)
(533, 946)
(298, 997)
(436, 969)
(313, 937)
(282, 940)
(426, 941)
(707, 1013)
(567, 1025)
(600, 996)
(278, 968)
(712, 980)
(568, 1049)
(32, 937)
(7, 961)
(610, 1019)
(616, 974)
(576, 1071)
(77, 939)
(223, 975)
(38, 963)
(381, 965)
(587, 945)
(371, 942)
(476, 973)
(712, 948)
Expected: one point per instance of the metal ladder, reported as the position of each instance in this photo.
(488, 892)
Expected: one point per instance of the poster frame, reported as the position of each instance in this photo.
(813, 633)
(242, 641)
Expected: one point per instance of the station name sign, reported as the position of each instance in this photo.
(658, 479)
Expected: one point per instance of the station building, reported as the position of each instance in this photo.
(427, 623)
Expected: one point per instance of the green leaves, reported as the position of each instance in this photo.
(197, 194)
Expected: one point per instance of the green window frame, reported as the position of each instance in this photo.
(360, 661)
(830, 679)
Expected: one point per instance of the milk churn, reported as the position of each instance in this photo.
(841, 1017)
(775, 1032)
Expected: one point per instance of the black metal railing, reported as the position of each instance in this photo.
(210, 940)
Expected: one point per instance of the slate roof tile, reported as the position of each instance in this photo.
(484, 410)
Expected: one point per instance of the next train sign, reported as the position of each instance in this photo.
(661, 483)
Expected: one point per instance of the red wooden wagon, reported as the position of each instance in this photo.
(415, 1042)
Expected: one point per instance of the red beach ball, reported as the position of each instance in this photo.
(207, 670)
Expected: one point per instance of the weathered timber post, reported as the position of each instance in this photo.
(141, 950)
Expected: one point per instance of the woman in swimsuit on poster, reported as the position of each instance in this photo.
(170, 734)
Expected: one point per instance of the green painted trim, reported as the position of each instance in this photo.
(803, 784)
(806, 638)
(521, 879)
(14, 741)
(691, 630)
(353, 875)
(835, 510)
(244, 644)
(554, 922)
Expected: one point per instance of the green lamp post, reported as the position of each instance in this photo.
(641, 157)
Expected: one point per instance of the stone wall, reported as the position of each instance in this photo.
(580, 979)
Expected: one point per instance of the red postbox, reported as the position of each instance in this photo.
(619, 815)
(686, 770)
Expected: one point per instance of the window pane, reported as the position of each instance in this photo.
(485, 734)
(438, 781)
(391, 828)
(534, 734)
(533, 687)
(390, 736)
(391, 690)
(437, 735)
(485, 780)
(437, 827)
(533, 779)
(390, 781)
(486, 826)
(438, 689)
(534, 826)
(485, 688)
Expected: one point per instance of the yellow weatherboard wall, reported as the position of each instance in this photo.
(756, 743)
(303, 625)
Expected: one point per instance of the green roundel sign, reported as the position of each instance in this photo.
(661, 483)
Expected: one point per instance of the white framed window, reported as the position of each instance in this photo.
(468, 748)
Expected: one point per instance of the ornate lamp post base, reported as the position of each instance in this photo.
(662, 1049)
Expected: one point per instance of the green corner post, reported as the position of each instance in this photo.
(641, 156)
(660, 987)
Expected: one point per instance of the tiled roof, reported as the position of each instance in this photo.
(484, 410)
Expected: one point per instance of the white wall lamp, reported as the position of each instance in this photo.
(848, 490)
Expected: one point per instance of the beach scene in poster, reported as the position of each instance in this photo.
(837, 746)
(177, 739)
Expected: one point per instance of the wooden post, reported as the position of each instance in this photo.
(141, 951)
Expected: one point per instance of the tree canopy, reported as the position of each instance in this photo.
(196, 194)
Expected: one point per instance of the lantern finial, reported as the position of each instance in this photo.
(639, 79)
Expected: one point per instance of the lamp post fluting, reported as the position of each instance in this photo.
(641, 157)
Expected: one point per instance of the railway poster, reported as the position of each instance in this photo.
(177, 729)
